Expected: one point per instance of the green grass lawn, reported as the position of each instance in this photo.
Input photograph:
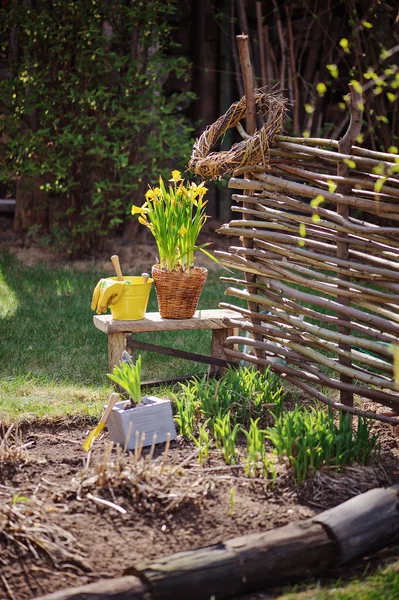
(381, 585)
(53, 361)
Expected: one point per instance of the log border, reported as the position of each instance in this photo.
(230, 569)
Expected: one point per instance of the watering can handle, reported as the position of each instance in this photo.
(117, 266)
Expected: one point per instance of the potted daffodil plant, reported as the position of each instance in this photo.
(175, 214)
(133, 422)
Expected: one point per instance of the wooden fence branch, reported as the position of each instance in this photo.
(355, 104)
(243, 49)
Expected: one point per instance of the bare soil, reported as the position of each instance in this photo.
(185, 507)
(136, 249)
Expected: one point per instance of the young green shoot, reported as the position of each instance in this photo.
(128, 375)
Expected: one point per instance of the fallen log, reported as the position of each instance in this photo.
(232, 568)
(363, 524)
(122, 588)
(257, 561)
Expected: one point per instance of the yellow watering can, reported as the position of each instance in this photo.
(127, 297)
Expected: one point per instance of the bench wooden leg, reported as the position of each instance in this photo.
(116, 345)
(217, 348)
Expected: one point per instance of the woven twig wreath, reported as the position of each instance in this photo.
(251, 151)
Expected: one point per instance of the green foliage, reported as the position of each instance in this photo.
(185, 414)
(310, 439)
(226, 407)
(244, 393)
(225, 435)
(128, 375)
(240, 401)
(361, 50)
(85, 113)
(381, 583)
(202, 442)
(257, 461)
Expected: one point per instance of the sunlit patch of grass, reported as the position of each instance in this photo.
(24, 398)
(65, 286)
(381, 585)
(8, 300)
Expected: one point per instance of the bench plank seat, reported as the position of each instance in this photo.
(202, 319)
(212, 319)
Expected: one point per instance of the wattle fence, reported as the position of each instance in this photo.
(319, 257)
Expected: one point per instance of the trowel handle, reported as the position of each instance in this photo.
(112, 401)
(117, 266)
(145, 277)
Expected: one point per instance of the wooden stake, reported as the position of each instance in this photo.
(355, 104)
(243, 48)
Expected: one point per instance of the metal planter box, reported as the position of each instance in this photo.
(153, 416)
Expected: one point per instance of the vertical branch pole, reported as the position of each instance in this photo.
(243, 49)
(355, 104)
(246, 68)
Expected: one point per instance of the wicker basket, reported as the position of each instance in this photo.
(178, 293)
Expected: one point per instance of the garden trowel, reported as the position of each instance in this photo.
(93, 434)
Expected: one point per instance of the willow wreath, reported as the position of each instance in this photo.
(252, 150)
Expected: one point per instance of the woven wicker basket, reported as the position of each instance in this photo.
(178, 293)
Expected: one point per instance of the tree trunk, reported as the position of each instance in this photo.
(32, 208)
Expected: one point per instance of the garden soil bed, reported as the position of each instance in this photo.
(58, 535)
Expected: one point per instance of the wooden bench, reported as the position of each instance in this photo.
(119, 333)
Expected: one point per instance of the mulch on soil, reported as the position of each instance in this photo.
(55, 533)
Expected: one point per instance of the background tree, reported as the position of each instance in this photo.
(93, 93)
(312, 50)
(85, 122)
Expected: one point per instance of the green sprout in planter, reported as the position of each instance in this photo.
(128, 375)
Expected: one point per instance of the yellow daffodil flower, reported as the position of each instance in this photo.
(139, 210)
(202, 189)
(175, 214)
(201, 186)
(176, 176)
(199, 190)
(151, 195)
